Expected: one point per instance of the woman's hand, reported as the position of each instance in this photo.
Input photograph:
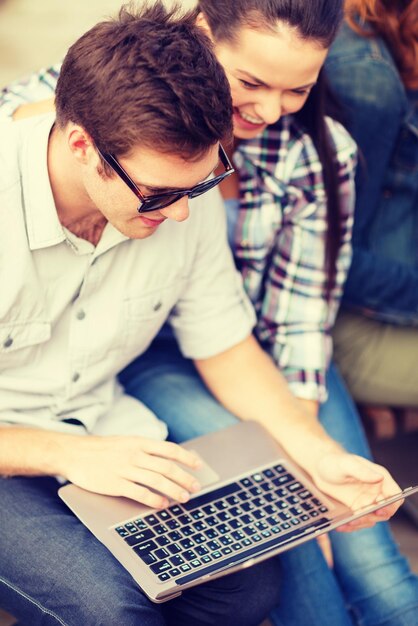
(134, 467)
(357, 482)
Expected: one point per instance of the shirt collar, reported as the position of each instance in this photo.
(43, 226)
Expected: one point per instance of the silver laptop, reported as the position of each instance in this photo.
(255, 503)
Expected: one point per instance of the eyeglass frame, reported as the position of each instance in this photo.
(112, 161)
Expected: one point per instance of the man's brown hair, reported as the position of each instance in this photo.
(147, 78)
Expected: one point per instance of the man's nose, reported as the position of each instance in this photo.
(178, 211)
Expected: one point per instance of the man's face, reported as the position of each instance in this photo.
(153, 172)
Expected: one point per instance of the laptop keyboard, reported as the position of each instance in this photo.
(225, 525)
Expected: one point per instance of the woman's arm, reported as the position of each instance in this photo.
(369, 87)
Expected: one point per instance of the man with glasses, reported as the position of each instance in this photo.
(88, 276)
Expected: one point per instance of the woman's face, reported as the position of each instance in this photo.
(270, 74)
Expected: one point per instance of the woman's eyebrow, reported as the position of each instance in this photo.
(253, 78)
(263, 84)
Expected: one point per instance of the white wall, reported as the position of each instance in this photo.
(35, 33)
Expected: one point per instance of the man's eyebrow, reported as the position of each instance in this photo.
(263, 84)
(157, 190)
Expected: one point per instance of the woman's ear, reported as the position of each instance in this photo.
(202, 22)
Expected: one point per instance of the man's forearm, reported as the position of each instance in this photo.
(32, 452)
(247, 382)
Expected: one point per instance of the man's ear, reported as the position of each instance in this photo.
(202, 22)
(80, 143)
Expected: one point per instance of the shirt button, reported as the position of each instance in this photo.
(8, 342)
(158, 306)
(81, 314)
(76, 376)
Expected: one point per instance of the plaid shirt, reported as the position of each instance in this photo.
(279, 246)
(279, 239)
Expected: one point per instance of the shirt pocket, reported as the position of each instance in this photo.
(144, 316)
(20, 342)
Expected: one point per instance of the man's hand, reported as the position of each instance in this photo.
(357, 482)
(133, 467)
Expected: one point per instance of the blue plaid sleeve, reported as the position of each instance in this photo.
(33, 88)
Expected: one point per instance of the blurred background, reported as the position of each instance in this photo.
(35, 33)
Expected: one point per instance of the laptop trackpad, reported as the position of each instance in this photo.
(205, 474)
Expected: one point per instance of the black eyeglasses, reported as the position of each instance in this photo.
(162, 200)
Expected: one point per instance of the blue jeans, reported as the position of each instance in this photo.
(54, 571)
(371, 583)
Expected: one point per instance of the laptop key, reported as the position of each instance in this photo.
(173, 572)
(151, 520)
(295, 487)
(172, 524)
(176, 509)
(238, 534)
(147, 557)
(146, 547)
(160, 567)
(206, 558)
(162, 540)
(164, 515)
(185, 567)
(174, 548)
(235, 523)
(209, 509)
(164, 576)
(130, 527)
(175, 535)
(133, 540)
(223, 529)
(161, 553)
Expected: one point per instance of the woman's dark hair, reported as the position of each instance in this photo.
(315, 20)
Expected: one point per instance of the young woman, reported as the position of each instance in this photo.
(373, 67)
(289, 211)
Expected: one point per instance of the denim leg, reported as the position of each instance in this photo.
(375, 578)
(53, 571)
